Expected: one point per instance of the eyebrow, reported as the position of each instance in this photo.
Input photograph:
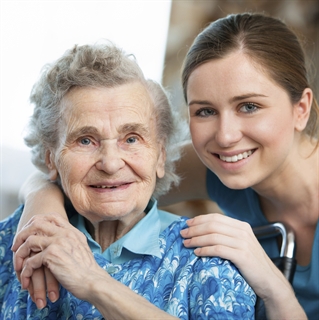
(234, 99)
(247, 96)
(136, 127)
(125, 128)
(81, 131)
(204, 102)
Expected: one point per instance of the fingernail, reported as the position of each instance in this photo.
(189, 221)
(184, 232)
(40, 303)
(52, 296)
(186, 242)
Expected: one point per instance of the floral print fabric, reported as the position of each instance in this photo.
(180, 283)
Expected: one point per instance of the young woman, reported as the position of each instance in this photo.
(254, 127)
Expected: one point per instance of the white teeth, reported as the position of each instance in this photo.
(105, 187)
(237, 157)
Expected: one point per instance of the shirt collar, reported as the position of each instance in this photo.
(142, 239)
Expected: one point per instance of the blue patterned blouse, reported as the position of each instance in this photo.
(178, 282)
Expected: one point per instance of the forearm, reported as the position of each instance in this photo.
(40, 196)
(282, 303)
(116, 301)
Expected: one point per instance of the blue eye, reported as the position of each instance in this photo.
(249, 108)
(131, 140)
(205, 112)
(85, 141)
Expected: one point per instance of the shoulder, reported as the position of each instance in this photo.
(172, 244)
(8, 229)
(205, 279)
(10, 286)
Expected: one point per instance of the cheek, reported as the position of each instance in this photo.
(273, 131)
(71, 172)
(201, 133)
(146, 166)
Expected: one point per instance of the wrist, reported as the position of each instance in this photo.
(281, 302)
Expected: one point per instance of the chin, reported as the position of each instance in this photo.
(235, 183)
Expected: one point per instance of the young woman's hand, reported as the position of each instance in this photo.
(234, 240)
(231, 239)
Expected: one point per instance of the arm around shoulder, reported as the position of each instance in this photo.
(39, 196)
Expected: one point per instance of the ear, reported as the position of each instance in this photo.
(49, 161)
(302, 110)
(160, 170)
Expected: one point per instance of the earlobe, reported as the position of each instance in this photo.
(302, 110)
(53, 172)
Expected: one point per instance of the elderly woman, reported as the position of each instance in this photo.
(105, 134)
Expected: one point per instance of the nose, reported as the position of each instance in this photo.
(109, 158)
(228, 131)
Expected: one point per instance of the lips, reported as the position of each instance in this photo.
(104, 187)
(237, 157)
(109, 186)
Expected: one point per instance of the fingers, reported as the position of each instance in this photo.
(222, 236)
(40, 238)
(42, 284)
(214, 218)
(32, 244)
(38, 293)
(30, 267)
(47, 254)
(224, 252)
(41, 224)
(213, 240)
(216, 223)
(52, 285)
(216, 235)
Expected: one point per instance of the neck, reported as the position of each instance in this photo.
(294, 193)
(107, 232)
(294, 200)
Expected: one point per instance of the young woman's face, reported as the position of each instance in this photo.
(242, 123)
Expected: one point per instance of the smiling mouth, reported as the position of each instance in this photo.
(109, 187)
(236, 157)
(104, 187)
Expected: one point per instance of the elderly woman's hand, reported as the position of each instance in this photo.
(49, 242)
(42, 284)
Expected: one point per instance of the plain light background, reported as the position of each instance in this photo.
(36, 32)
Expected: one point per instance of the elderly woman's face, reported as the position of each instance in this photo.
(108, 155)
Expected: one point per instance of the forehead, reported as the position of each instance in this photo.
(128, 94)
(125, 103)
(234, 73)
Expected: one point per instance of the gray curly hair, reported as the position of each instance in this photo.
(98, 65)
